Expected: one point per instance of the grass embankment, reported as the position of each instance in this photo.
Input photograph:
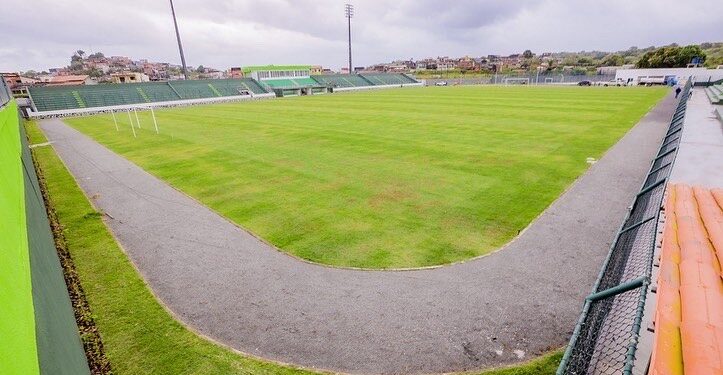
(386, 179)
(139, 335)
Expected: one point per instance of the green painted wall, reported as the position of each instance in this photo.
(38, 333)
(18, 348)
(60, 350)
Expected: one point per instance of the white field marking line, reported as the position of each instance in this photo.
(41, 144)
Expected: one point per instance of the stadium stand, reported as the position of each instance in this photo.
(107, 95)
(689, 311)
(292, 83)
(607, 334)
(387, 78)
(342, 80)
(54, 98)
(715, 93)
(157, 92)
(61, 98)
(230, 87)
(194, 89)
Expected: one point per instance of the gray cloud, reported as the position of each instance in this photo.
(225, 33)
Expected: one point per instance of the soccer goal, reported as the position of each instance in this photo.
(516, 81)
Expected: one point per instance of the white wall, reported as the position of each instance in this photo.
(698, 74)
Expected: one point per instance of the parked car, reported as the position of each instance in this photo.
(584, 83)
(441, 83)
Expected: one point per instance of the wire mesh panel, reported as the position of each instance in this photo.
(630, 257)
(646, 206)
(658, 175)
(664, 159)
(606, 336)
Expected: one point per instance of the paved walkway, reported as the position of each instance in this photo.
(700, 154)
(503, 308)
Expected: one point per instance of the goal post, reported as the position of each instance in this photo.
(516, 81)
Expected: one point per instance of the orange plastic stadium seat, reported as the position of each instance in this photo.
(667, 349)
(718, 195)
(689, 311)
(702, 349)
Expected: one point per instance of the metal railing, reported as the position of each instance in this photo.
(606, 336)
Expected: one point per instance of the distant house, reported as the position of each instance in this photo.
(128, 77)
(70, 80)
(11, 79)
(235, 72)
(467, 63)
(17, 83)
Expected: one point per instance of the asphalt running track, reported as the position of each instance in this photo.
(506, 307)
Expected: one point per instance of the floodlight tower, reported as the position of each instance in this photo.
(180, 46)
(349, 13)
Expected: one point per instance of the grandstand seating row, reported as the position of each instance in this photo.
(715, 93)
(53, 98)
(689, 314)
(342, 80)
(388, 79)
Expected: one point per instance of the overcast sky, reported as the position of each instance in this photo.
(38, 34)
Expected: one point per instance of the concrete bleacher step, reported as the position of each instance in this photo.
(143, 95)
(715, 94)
(77, 97)
(215, 91)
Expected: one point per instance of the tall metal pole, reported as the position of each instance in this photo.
(180, 47)
(349, 12)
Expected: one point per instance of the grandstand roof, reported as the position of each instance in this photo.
(689, 312)
(248, 69)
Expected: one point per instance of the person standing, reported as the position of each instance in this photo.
(677, 91)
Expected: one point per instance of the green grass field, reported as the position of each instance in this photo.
(139, 335)
(384, 179)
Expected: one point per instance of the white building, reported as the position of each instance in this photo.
(642, 76)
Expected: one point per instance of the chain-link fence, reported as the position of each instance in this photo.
(606, 336)
(524, 79)
(5, 95)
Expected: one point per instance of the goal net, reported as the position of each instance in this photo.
(516, 81)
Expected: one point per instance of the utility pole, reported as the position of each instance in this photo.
(180, 46)
(349, 13)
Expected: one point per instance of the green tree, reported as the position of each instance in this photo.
(97, 55)
(527, 54)
(613, 60)
(671, 57)
(200, 69)
(687, 53)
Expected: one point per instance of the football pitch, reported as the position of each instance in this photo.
(384, 179)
